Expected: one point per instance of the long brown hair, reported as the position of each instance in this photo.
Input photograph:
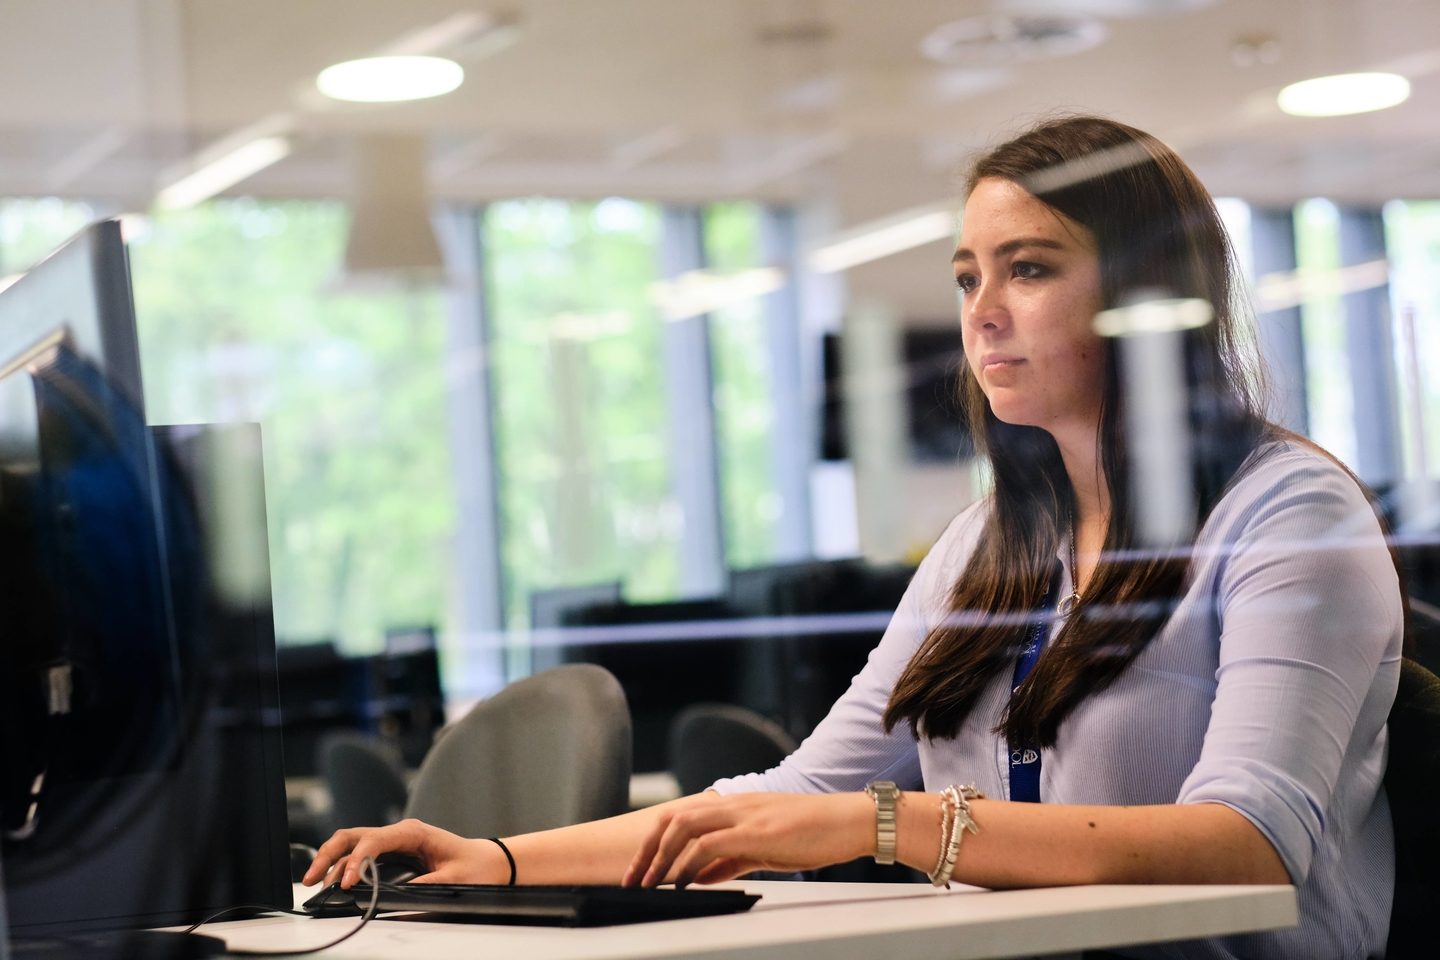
(1157, 229)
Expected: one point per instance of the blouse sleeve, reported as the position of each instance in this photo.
(1310, 620)
(849, 748)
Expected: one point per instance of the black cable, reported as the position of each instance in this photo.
(257, 908)
(367, 868)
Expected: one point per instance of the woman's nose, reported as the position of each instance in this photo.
(985, 307)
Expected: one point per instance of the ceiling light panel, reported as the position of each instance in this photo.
(997, 39)
(390, 79)
(1344, 94)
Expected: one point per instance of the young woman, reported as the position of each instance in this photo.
(1205, 708)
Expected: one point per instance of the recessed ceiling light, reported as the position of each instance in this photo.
(390, 79)
(1344, 93)
(993, 39)
(1107, 8)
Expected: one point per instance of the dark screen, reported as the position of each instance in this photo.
(139, 757)
(935, 425)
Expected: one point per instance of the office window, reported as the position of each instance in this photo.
(241, 318)
(1235, 215)
(744, 412)
(1327, 375)
(32, 227)
(1412, 238)
(583, 482)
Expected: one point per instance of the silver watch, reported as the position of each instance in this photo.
(885, 794)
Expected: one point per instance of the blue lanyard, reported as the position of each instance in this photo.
(1024, 757)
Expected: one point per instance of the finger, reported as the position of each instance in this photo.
(671, 840)
(371, 844)
(701, 853)
(641, 861)
(330, 851)
(684, 827)
(725, 868)
(337, 870)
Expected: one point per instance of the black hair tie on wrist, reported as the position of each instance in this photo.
(505, 850)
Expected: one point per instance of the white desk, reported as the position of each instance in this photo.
(826, 920)
(648, 789)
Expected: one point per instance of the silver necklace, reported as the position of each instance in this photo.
(1068, 604)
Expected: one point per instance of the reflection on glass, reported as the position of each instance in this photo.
(236, 324)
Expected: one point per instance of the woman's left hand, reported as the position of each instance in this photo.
(717, 838)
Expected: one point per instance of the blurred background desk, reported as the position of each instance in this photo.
(831, 920)
(311, 797)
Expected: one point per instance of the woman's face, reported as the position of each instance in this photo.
(1029, 280)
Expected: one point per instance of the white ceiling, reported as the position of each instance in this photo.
(695, 99)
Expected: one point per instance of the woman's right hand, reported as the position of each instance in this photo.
(448, 857)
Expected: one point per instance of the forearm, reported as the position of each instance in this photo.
(1019, 844)
(1029, 845)
(594, 852)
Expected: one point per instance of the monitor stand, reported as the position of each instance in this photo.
(119, 945)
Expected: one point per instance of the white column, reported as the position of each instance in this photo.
(1282, 342)
(477, 612)
(1370, 343)
(690, 410)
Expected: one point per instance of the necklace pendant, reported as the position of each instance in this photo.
(1067, 604)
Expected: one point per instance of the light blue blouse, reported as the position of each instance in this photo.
(1267, 691)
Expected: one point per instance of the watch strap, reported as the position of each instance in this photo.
(886, 796)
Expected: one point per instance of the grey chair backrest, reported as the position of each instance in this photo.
(547, 751)
(713, 740)
(365, 778)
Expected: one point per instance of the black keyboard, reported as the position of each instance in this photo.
(566, 906)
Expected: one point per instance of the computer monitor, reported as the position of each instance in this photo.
(553, 609)
(321, 690)
(115, 652)
(232, 782)
(935, 425)
(86, 609)
(409, 706)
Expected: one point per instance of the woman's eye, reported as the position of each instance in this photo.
(966, 282)
(1025, 270)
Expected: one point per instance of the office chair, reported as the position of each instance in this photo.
(709, 741)
(1411, 778)
(547, 751)
(365, 777)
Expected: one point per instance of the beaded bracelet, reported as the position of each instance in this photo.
(947, 825)
(958, 798)
(950, 840)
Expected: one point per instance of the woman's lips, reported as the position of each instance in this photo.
(991, 364)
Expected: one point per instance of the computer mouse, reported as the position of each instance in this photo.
(393, 868)
(331, 901)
